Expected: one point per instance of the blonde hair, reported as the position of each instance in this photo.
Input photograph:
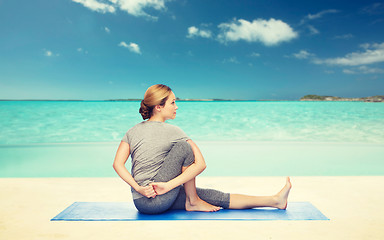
(155, 95)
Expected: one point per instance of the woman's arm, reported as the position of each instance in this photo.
(192, 171)
(121, 158)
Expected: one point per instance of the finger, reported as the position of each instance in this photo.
(152, 188)
(151, 191)
(150, 194)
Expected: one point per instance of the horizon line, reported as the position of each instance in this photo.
(306, 97)
(135, 100)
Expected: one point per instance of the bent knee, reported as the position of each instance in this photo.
(185, 151)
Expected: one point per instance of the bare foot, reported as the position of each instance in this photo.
(200, 206)
(282, 196)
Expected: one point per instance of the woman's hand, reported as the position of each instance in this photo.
(147, 191)
(160, 187)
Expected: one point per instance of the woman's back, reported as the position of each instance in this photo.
(149, 142)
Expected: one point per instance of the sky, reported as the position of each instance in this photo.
(249, 50)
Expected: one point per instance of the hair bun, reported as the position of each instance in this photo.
(144, 110)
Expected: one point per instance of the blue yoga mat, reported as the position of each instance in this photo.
(124, 211)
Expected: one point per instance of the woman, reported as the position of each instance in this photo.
(165, 163)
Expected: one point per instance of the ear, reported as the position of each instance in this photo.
(158, 108)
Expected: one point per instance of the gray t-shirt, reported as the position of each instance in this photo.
(150, 142)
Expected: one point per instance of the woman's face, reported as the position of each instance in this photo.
(169, 109)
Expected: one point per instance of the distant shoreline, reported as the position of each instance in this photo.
(138, 100)
(317, 98)
(314, 98)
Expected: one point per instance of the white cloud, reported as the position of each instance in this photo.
(254, 54)
(363, 70)
(269, 32)
(133, 7)
(374, 53)
(345, 36)
(80, 50)
(374, 9)
(133, 47)
(348, 71)
(368, 45)
(313, 30)
(107, 30)
(195, 32)
(192, 31)
(49, 53)
(321, 14)
(367, 70)
(303, 54)
(123, 44)
(310, 17)
(231, 60)
(97, 6)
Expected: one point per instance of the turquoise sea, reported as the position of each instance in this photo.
(269, 138)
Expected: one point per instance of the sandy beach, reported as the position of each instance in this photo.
(353, 205)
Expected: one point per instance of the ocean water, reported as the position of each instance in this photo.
(26, 122)
(79, 139)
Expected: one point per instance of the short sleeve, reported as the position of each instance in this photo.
(125, 138)
(180, 134)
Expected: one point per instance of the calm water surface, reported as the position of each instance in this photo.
(72, 122)
(79, 139)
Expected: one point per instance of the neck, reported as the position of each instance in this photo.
(156, 118)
